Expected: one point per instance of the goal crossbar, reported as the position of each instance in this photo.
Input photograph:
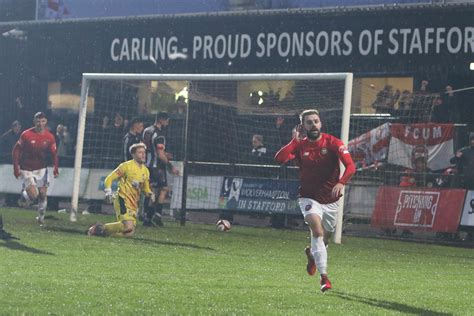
(177, 77)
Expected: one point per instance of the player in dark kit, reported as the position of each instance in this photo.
(157, 161)
(133, 136)
(321, 186)
(30, 162)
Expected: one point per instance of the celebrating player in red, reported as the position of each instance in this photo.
(321, 186)
(30, 161)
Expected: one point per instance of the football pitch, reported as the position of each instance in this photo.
(196, 269)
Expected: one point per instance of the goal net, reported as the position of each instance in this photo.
(223, 133)
(225, 129)
(402, 139)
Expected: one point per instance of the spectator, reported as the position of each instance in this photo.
(405, 106)
(440, 112)
(259, 151)
(114, 138)
(20, 112)
(392, 100)
(288, 99)
(278, 136)
(464, 160)
(422, 103)
(405, 102)
(179, 107)
(379, 102)
(273, 98)
(133, 136)
(63, 143)
(8, 140)
(119, 124)
(386, 99)
(105, 123)
(445, 180)
(420, 175)
(98, 146)
(451, 101)
(417, 176)
(103, 129)
(446, 108)
(424, 86)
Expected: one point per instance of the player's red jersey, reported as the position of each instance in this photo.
(319, 165)
(30, 152)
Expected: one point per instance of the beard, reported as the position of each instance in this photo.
(313, 134)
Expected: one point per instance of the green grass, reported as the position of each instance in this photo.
(196, 269)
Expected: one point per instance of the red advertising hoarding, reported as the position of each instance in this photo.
(426, 209)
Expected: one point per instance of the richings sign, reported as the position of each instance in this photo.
(416, 208)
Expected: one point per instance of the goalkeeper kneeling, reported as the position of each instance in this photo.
(134, 178)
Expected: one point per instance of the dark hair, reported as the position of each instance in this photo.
(161, 116)
(135, 120)
(308, 112)
(15, 123)
(39, 115)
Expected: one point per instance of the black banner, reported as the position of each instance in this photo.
(378, 40)
(349, 42)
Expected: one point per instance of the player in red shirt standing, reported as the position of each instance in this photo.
(321, 186)
(30, 162)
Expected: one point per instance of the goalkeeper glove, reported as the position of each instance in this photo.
(109, 196)
(152, 197)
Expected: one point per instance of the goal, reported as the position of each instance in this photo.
(224, 130)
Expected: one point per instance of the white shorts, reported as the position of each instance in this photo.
(327, 212)
(39, 178)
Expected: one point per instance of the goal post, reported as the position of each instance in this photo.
(211, 91)
(79, 147)
(346, 117)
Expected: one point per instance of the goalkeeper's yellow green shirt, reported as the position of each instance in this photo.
(134, 178)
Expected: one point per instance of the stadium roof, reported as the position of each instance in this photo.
(313, 11)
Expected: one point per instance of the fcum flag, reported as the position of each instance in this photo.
(431, 141)
(370, 147)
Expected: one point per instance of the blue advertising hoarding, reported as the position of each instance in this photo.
(259, 195)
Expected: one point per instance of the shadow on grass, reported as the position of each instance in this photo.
(170, 243)
(51, 218)
(15, 245)
(391, 306)
(77, 231)
(68, 230)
